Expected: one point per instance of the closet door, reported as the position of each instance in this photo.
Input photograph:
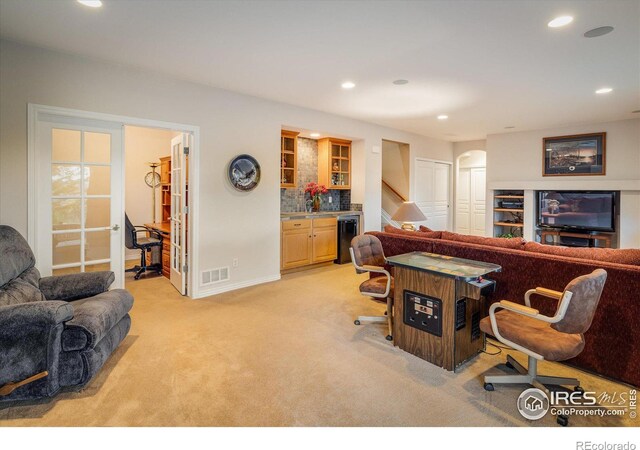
(463, 202)
(431, 192)
(478, 186)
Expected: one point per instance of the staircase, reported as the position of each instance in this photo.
(391, 200)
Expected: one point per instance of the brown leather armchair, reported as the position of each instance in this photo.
(368, 257)
(541, 337)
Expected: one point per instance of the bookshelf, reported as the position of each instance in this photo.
(508, 213)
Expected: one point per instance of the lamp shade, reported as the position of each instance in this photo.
(408, 212)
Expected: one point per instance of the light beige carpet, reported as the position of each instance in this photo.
(281, 354)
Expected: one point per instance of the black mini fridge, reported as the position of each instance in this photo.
(347, 230)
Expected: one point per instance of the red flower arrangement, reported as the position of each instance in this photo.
(315, 190)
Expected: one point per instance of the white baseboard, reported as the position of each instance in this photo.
(131, 257)
(206, 292)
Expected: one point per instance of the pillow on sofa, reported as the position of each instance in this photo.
(423, 234)
(513, 243)
(627, 256)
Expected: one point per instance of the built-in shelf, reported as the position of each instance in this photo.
(509, 224)
(288, 159)
(508, 213)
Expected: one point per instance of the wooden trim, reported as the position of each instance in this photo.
(339, 141)
(384, 183)
(507, 224)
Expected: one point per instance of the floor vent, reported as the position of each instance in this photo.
(214, 276)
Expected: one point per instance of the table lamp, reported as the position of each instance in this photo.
(407, 214)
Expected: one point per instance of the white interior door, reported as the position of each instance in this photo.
(478, 183)
(78, 196)
(179, 211)
(432, 192)
(463, 202)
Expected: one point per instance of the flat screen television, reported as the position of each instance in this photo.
(577, 210)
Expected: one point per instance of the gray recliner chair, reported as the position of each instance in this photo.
(55, 332)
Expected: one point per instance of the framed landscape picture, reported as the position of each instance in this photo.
(580, 154)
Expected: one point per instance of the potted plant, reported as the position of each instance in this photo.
(315, 191)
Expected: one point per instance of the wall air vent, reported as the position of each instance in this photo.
(212, 276)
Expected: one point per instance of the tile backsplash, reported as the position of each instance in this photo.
(294, 199)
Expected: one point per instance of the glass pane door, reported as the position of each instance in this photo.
(179, 174)
(81, 198)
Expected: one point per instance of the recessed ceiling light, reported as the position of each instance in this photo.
(315, 135)
(509, 127)
(443, 117)
(400, 82)
(348, 85)
(91, 3)
(600, 31)
(560, 21)
(605, 90)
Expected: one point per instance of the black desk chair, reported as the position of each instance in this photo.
(145, 244)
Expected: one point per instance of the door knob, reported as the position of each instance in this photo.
(116, 227)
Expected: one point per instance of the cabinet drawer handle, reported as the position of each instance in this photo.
(296, 224)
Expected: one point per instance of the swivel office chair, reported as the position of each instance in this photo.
(144, 244)
(541, 337)
(368, 257)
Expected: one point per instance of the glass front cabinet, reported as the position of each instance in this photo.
(334, 163)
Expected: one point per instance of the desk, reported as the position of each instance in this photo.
(164, 228)
(438, 305)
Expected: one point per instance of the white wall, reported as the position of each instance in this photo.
(232, 224)
(514, 161)
(142, 146)
(464, 146)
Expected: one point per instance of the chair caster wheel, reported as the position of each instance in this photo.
(578, 389)
(389, 337)
(488, 387)
(562, 421)
(509, 365)
(137, 277)
(356, 322)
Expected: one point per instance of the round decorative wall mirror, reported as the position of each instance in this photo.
(244, 173)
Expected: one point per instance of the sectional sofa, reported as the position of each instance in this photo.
(612, 342)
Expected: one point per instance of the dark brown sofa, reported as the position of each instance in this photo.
(613, 340)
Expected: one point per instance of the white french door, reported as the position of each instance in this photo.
(179, 211)
(463, 202)
(78, 196)
(470, 201)
(432, 188)
(478, 183)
